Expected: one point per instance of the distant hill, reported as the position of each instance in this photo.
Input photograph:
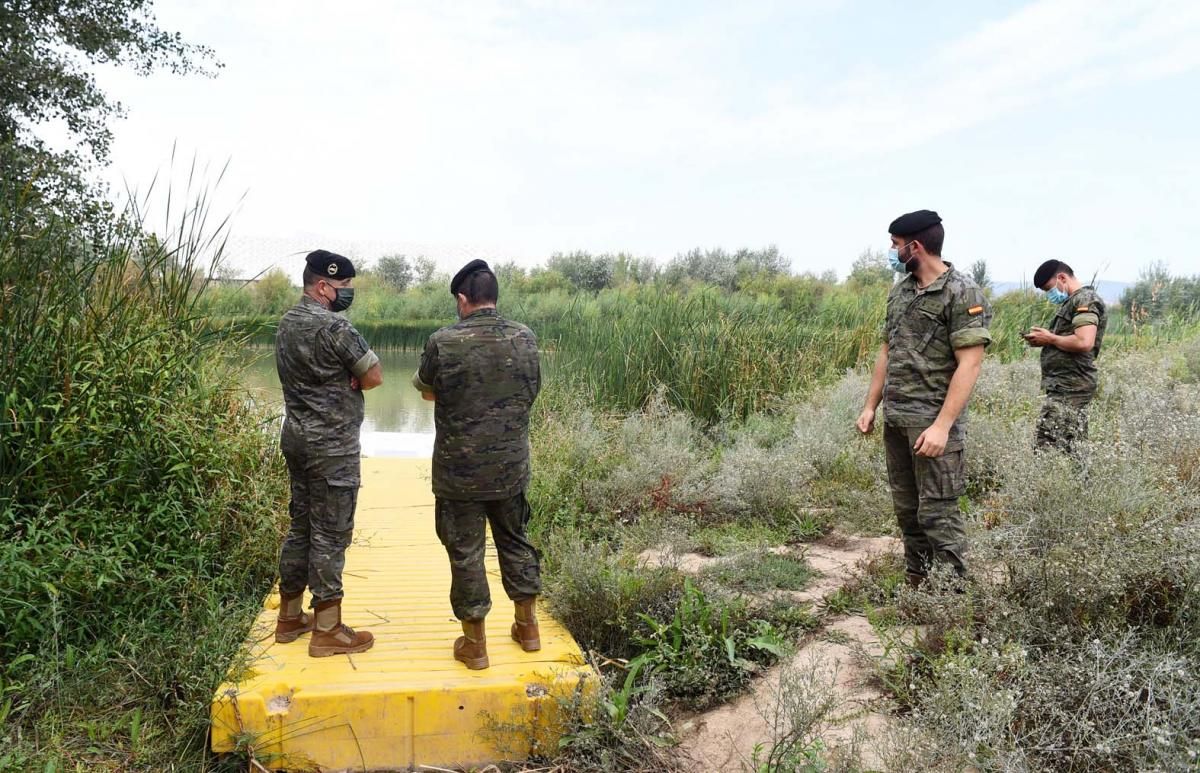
(1109, 291)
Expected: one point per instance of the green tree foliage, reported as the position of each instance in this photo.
(979, 272)
(424, 270)
(871, 268)
(395, 270)
(274, 293)
(722, 269)
(1158, 296)
(628, 269)
(49, 47)
(584, 270)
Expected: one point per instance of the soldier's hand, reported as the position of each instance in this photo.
(1039, 336)
(932, 442)
(866, 421)
(355, 384)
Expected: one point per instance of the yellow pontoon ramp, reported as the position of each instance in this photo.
(406, 703)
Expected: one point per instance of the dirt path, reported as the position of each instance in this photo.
(834, 658)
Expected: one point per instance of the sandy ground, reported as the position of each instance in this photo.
(837, 657)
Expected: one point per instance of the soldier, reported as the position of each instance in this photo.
(1069, 351)
(324, 364)
(483, 374)
(934, 339)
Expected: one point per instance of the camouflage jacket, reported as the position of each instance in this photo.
(485, 374)
(316, 352)
(922, 330)
(1074, 373)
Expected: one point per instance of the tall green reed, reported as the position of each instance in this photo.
(139, 499)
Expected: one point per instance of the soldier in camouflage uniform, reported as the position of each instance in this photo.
(324, 364)
(934, 340)
(1069, 351)
(483, 373)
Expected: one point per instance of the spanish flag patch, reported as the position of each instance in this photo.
(975, 310)
(1081, 309)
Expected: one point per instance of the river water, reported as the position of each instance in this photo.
(397, 422)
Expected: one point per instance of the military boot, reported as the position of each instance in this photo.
(331, 637)
(471, 647)
(525, 629)
(914, 580)
(292, 620)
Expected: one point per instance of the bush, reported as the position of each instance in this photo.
(139, 500)
(601, 596)
(762, 571)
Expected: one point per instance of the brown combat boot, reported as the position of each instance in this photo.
(525, 629)
(471, 647)
(292, 620)
(331, 637)
(914, 580)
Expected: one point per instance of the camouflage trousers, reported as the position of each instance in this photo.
(1063, 423)
(324, 496)
(925, 496)
(461, 526)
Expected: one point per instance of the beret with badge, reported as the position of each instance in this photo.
(329, 264)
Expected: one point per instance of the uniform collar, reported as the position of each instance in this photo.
(489, 312)
(313, 303)
(935, 285)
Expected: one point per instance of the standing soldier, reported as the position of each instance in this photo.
(324, 364)
(1069, 351)
(484, 374)
(934, 338)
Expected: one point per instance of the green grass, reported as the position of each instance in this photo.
(140, 502)
(762, 571)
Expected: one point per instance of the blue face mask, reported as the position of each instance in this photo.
(898, 265)
(1056, 296)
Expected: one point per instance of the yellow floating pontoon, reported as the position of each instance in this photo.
(406, 702)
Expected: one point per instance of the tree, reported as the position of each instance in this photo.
(273, 293)
(48, 47)
(584, 270)
(632, 270)
(395, 271)
(424, 270)
(714, 267)
(720, 268)
(979, 272)
(870, 268)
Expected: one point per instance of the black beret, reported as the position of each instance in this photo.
(466, 271)
(914, 222)
(330, 264)
(1046, 272)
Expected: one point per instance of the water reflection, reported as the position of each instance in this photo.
(393, 407)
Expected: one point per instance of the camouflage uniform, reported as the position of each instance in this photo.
(485, 373)
(316, 352)
(923, 329)
(1069, 379)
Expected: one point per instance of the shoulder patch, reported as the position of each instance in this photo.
(1082, 309)
(974, 310)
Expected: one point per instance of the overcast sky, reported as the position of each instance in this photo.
(1053, 128)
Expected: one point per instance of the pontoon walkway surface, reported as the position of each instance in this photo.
(406, 702)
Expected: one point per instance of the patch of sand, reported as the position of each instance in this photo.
(838, 657)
